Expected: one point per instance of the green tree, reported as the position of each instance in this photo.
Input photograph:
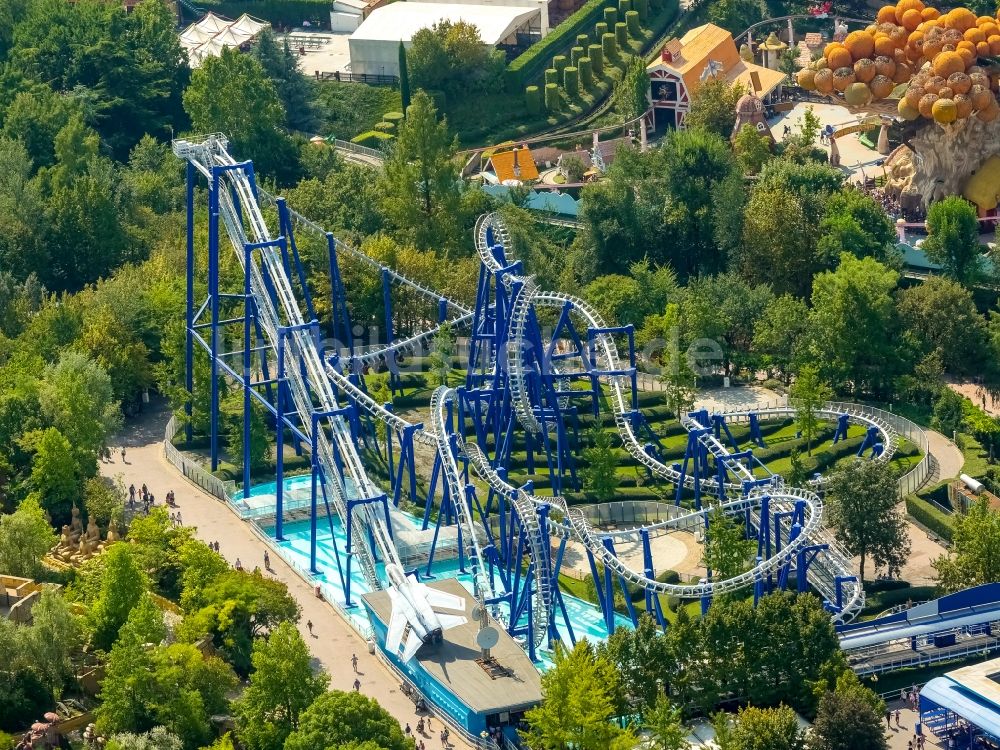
(845, 721)
(665, 726)
(241, 606)
(421, 185)
(54, 482)
(579, 692)
(451, 57)
(854, 223)
(953, 238)
(697, 165)
(642, 659)
(727, 551)
(25, 538)
(735, 16)
(54, 635)
(281, 687)
(970, 561)
(779, 234)
(713, 106)
(809, 393)
(296, 92)
(600, 476)
(404, 79)
(122, 586)
(631, 94)
(442, 351)
(863, 499)
(104, 500)
(940, 315)
(157, 738)
(853, 325)
(752, 149)
(779, 334)
(766, 729)
(77, 398)
(232, 94)
(337, 719)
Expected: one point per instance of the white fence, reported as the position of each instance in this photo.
(914, 479)
(190, 468)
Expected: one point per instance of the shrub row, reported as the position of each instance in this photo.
(372, 138)
(529, 65)
(929, 516)
(284, 12)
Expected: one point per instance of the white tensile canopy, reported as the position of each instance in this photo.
(212, 34)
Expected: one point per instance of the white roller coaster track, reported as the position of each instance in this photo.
(825, 571)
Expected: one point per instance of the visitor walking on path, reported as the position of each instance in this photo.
(354, 662)
(309, 624)
(239, 565)
(267, 561)
(123, 455)
(357, 685)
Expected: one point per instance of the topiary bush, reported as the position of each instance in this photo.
(372, 138)
(571, 81)
(600, 30)
(582, 40)
(586, 73)
(611, 17)
(609, 47)
(642, 8)
(393, 117)
(533, 99)
(385, 127)
(551, 97)
(621, 35)
(596, 54)
(551, 76)
(559, 62)
(575, 54)
(624, 6)
(632, 23)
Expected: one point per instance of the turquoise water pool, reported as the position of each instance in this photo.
(586, 618)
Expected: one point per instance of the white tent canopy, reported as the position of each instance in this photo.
(212, 34)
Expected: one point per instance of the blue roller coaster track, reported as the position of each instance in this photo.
(537, 361)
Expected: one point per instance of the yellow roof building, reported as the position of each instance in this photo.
(703, 52)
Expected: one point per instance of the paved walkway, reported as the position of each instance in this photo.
(333, 640)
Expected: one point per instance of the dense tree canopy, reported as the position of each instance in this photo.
(337, 719)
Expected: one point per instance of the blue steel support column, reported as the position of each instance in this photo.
(442, 310)
(247, 259)
(213, 291)
(189, 312)
(279, 460)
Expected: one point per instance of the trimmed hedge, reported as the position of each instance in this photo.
(372, 138)
(611, 17)
(582, 40)
(285, 12)
(642, 8)
(596, 54)
(929, 516)
(600, 30)
(621, 34)
(586, 73)
(559, 62)
(571, 81)
(552, 97)
(610, 47)
(624, 6)
(530, 64)
(385, 127)
(575, 54)
(632, 23)
(551, 76)
(533, 100)
(393, 117)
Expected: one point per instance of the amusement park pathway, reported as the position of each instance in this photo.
(333, 641)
